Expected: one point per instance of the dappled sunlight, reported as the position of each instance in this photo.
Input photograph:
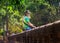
(15, 17)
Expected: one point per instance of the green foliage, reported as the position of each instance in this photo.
(1, 31)
(42, 12)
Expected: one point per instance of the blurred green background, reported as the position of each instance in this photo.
(42, 12)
